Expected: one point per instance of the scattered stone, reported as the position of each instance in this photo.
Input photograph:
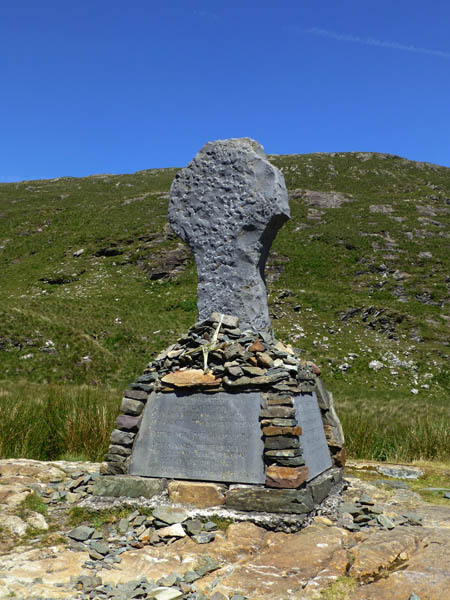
(81, 533)
(37, 520)
(175, 530)
(385, 522)
(165, 593)
(413, 518)
(376, 365)
(399, 485)
(204, 538)
(170, 514)
(14, 525)
(400, 472)
(193, 526)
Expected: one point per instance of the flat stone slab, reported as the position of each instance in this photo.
(126, 485)
(207, 437)
(315, 448)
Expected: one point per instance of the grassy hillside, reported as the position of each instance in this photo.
(93, 283)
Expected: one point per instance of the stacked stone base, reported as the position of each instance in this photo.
(237, 362)
(277, 509)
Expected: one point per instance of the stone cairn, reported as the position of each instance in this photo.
(228, 204)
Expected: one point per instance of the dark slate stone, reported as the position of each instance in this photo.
(147, 378)
(228, 205)
(280, 412)
(115, 458)
(209, 437)
(122, 450)
(121, 437)
(281, 442)
(269, 500)
(298, 461)
(315, 448)
(320, 486)
(114, 468)
(193, 526)
(170, 514)
(136, 394)
(126, 485)
(81, 533)
(204, 538)
(131, 407)
(142, 386)
(286, 453)
(128, 423)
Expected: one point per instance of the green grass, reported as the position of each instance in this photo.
(32, 503)
(99, 327)
(435, 475)
(78, 515)
(46, 422)
(341, 589)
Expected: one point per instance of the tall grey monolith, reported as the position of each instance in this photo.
(228, 205)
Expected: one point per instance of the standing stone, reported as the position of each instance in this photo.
(228, 205)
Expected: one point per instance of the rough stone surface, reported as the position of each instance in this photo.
(190, 378)
(410, 561)
(286, 477)
(228, 205)
(200, 494)
(127, 485)
(131, 407)
(170, 514)
(268, 500)
(15, 525)
(128, 422)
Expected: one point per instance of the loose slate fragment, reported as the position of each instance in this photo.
(228, 205)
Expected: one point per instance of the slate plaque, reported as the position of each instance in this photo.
(315, 448)
(210, 437)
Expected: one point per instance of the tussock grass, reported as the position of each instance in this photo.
(49, 422)
(389, 437)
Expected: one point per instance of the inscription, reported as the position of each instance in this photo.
(315, 448)
(210, 437)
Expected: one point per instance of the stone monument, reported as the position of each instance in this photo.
(228, 403)
(228, 205)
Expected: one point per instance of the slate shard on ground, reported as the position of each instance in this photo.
(228, 205)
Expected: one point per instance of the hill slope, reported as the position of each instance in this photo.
(93, 283)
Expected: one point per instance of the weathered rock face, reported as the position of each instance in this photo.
(370, 546)
(228, 205)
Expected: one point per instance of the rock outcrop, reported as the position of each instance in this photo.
(194, 557)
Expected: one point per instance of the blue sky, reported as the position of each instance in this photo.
(115, 86)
